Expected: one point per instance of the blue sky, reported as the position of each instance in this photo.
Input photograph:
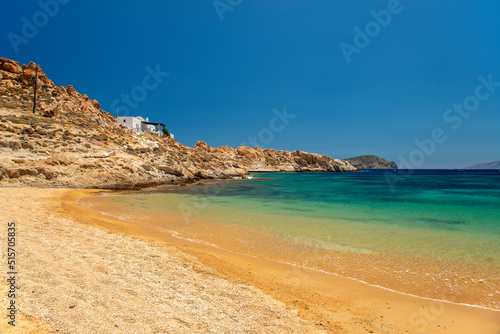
(231, 63)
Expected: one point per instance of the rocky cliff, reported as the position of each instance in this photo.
(71, 142)
(371, 162)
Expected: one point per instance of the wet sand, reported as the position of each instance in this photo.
(310, 300)
(460, 282)
(77, 278)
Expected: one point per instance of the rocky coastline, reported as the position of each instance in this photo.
(71, 142)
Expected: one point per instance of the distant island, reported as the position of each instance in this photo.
(486, 165)
(371, 162)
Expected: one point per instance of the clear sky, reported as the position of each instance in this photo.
(346, 78)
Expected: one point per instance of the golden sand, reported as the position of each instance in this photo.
(459, 282)
(125, 275)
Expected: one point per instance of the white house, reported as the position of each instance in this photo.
(138, 124)
(134, 123)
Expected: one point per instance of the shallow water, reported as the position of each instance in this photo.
(438, 214)
(433, 234)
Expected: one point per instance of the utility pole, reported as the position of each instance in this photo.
(34, 95)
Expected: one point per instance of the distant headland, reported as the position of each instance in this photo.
(371, 162)
(486, 165)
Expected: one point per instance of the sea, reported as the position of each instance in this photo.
(451, 214)
(447, 221)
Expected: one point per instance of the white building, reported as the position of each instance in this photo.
(138, 124)
(134, 123)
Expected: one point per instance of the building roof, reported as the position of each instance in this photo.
(153, 123)
(136, 117)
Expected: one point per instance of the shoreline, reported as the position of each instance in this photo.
(77, 277)
(331, 303)
(201, 242)
(204, 247)
(465, 283)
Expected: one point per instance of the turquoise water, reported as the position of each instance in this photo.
(439, 214)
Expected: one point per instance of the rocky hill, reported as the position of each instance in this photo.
(71, 142)
(486, 165)
(371, 162)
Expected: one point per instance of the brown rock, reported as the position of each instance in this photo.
(247, 152)
(42, 106)
(201, 145)
(224, 150)
(10, 65)
(206, 174)
(27, 76)
(81, 121)
(50, 113)
(27, 131)
(58, 91)
(26, 79)
(171, 170)
(15, 173)
(32, 65)
(300, 161)
(58, 160)
(72, 91)
(47, 111)
(48, 174)
(3, 60)
(258, 150)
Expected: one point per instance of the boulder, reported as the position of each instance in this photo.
(58, 160)
(58, 91)
(224, 150)
(32, 65)
(96, 104)
(10, 65)
(258, 150)
(19, 172)
(247, 152)
(47, 110)
(201, 145)
(170, 170)
(206, 174)
(71, 91)
(7, 60)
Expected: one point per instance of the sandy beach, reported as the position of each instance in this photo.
(83, 272)
(75, 278)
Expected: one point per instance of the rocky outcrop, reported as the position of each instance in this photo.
(371, 162)
(71, 142)
(10, 65)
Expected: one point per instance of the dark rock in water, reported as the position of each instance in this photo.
(456, 222)
(444, 221)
